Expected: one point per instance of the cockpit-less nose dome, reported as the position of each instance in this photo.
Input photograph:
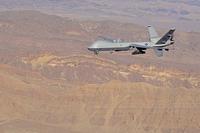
(94, 46)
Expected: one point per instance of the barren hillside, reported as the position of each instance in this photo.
(31, 103)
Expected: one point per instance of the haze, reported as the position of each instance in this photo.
(182, 14)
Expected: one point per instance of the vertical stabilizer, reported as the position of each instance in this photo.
(153, 35)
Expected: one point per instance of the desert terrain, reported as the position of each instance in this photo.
(50, 82)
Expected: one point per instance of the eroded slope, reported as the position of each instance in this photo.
(39, 105)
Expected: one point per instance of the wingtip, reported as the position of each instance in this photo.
(173, 28)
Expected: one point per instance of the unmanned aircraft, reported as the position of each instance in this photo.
(158, 44)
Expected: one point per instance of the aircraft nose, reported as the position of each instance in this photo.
(92, 47)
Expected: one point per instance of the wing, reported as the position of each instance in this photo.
(153, 35)
(166, 37)
(104, 38)
(158, 51)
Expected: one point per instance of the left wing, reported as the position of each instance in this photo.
(158, 51)
(153, 35)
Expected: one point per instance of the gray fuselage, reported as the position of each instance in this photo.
(118, 46)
